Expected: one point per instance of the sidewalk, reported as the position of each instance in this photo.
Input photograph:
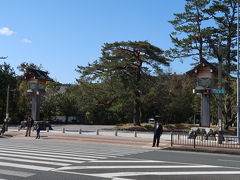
(143, 139)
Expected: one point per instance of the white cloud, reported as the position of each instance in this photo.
(6, 31)
(26, 40)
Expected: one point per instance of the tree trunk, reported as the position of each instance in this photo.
(66, 119)
(137, 112)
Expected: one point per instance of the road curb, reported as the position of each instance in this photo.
(205, 150)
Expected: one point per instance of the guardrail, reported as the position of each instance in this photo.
(183, 139)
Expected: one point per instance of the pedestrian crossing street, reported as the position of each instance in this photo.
(25, 159)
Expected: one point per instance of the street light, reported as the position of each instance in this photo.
(238, 82)
(7, 105)
(220, 123)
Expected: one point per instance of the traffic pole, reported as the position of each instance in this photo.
(7, 106)
(238, 82)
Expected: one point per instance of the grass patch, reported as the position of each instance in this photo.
(131, 127)
(182, 127)
(149, 127)
(179, 127)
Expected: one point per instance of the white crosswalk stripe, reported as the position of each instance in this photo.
(134, 167)
(34, 161)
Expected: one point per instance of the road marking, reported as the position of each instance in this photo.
(24, 166)
(47, 155)
(128, 161)
(41, 158)
(124, 174)
(133, 167)
(43, 152)
(117, 176)
(228, 160)
(104, 150)
(32, 161)
(73, 153)
(173, 162)
(15, 173)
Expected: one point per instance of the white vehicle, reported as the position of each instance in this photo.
(151, 121)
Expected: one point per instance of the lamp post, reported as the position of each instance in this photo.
(7, 105)
(220, 123)
(7, 110)
(238, 76)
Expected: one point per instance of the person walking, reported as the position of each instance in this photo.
(38, 131)
(29, 125)
(158, 129)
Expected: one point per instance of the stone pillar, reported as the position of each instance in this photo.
(36, 106)
(205, 110)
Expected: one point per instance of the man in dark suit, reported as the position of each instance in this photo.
(29, 125)
(158, 129)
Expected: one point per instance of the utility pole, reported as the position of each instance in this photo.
(238, 69)
(220, 123)
(7, 113)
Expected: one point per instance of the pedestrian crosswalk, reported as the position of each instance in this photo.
(16, 156)
(21, 159)
(144, 169)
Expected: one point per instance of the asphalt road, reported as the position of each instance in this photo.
(55, 160)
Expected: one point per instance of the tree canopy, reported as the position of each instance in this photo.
(127, 63)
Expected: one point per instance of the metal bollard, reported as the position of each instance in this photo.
(116, 132)
(80, 131)
(97, 132)
(171, 139)
(63, 130)
(135, 133)
(47, 128)
(194, 142)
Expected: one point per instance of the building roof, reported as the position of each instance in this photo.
(37, 74)
(204, 62)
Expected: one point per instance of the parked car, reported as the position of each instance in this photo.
(43, 125)
(151, 121)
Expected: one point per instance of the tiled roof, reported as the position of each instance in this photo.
(37, 74)
(203, 62)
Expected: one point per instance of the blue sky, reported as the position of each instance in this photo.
(61, 34)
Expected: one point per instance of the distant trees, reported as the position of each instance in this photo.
(127, 65)
(108, 100)
(189, 37)
(7, 78)
(128, 84)
(198, 31)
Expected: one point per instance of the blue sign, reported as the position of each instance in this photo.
(218, 91)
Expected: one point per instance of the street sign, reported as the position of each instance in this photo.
(218, 91)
